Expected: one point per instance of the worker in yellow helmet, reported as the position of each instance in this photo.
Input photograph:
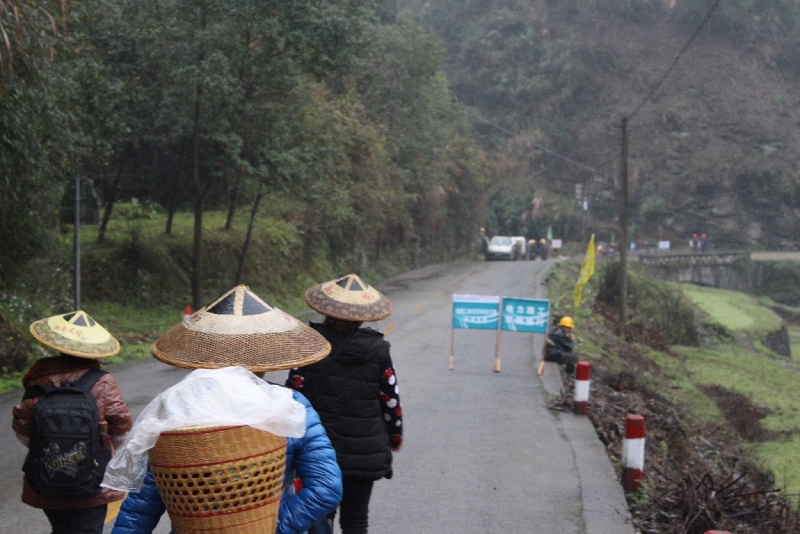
(560, 344)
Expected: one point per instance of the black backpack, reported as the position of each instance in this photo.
(65, 457)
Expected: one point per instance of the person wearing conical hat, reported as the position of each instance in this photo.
(81, 343)
(240, 329)
(354, 390)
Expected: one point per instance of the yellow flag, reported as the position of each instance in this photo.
(587, 270)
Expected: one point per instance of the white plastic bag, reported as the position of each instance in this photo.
(232, 396)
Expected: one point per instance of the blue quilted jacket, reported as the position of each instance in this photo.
(310, 458)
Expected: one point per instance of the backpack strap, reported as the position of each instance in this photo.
(34, 391)
(84, 383)
(89, 379)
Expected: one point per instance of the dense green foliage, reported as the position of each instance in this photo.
(37, 132)
(338, 107)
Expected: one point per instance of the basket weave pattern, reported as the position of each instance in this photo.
(220, 479)
(346, 311)
(288, 350)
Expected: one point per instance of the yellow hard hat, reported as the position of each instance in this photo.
(566, 321)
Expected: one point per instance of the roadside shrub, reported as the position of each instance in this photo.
(14, 346)
(780, 280)
(651, 303)
(134, 210)
(135, 271)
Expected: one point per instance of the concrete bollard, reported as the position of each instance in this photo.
(633, 453)
(580, 401)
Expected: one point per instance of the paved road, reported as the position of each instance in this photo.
(482, 452)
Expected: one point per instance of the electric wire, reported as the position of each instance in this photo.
(540, 147)
(694, 35)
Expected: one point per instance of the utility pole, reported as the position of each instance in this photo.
(585, 208)
(77, 245)
(580, 196)
(623, 230)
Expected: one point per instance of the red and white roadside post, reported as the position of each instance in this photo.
(187, 312)
(633, 453)
(580, 400)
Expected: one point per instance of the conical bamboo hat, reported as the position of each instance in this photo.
(349, 298)
(240, 329)
(77, 334)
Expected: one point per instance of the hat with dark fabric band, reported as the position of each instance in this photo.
(76, 334)
(240, 329)
(349, 298)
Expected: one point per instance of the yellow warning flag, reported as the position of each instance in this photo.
(587, 270)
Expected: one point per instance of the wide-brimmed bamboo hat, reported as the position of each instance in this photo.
(76, 334)
(240, 329)
(349, 298)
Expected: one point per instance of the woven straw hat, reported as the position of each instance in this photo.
(240, 329)
(349, 298)
(77, 334)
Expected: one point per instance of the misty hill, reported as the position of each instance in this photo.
(716, 147)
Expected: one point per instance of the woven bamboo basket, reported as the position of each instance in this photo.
(220, 479)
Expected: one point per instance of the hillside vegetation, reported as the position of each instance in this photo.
(713, 150)
(136, 281)
(217, 142)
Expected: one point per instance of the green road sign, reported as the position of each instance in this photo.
(526, 315)
(476, 311)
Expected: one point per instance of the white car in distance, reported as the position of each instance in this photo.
(502, 247)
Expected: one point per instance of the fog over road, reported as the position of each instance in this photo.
(482, 453)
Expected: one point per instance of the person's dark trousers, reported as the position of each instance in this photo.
(354, 509)
(78, 520)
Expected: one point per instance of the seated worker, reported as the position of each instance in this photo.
(240, 329)
(560, 345)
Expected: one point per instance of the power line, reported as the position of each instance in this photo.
(543, 149)
(675, 62)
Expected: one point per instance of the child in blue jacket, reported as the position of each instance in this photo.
(240, 329)
(311, 459)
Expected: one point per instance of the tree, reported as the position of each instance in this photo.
(36, 124)
(428, 139)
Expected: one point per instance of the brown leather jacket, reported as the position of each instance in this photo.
(110, 405)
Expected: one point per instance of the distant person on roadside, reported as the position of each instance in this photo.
(483, 241)
(560, 345)
(64, 481)
(354, 390)
(703, 242)
(694, 242)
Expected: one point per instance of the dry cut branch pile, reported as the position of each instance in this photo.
(696, 478)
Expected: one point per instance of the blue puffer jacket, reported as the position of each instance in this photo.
(311, 458)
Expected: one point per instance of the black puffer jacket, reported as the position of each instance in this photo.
(559, 345)
(344, 388)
